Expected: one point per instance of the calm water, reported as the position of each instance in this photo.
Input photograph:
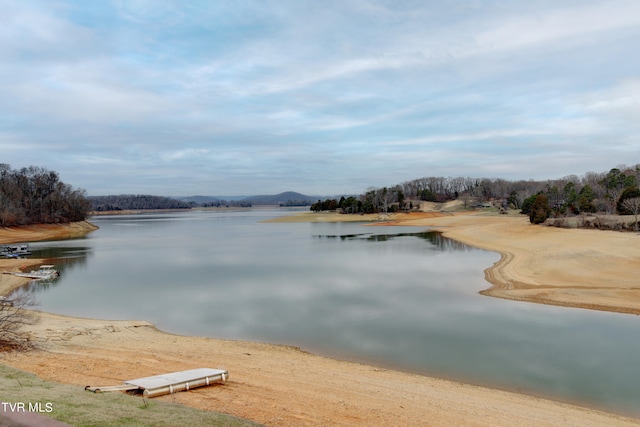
(401, 297)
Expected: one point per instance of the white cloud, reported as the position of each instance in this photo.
(622, 100)
(581, 23)
(471, 136)
(33, 33)
(189, 154)
(85, 93)
(325, 95)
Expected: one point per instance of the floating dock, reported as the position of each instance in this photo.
(170, 383)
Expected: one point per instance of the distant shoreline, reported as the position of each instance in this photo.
(199, 208)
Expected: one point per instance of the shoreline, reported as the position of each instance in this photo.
(578, 268)
(327, 391)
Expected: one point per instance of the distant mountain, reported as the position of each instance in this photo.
(288, 198)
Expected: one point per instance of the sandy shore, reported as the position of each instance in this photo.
(283, 386)
(568, 267)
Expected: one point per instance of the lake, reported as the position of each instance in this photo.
(398, 297)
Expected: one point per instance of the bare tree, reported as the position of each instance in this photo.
(386, 198)
(613, 196)
(633, 205)
(14, 316)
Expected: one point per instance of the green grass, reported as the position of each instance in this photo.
(75, 406)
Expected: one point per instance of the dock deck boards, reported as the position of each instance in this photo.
(173, 382)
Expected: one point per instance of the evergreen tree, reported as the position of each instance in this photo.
(540, 210)
(527, 203)
(585, 199)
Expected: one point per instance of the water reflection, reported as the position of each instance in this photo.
(65, 255)
(396, 296)
(39, 285)
(433, 237)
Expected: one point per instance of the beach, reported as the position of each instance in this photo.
(285, 386)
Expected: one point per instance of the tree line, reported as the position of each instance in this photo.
(593, 192)
(35, 195)
(135, 202)
(605, 192)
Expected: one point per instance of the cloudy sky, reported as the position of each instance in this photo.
(321, 97)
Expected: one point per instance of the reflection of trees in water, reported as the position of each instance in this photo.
(447, 244)
(434, 237)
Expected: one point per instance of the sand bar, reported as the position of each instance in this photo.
(590, 269)
(284, 386)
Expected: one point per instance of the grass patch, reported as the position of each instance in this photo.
(75, 406)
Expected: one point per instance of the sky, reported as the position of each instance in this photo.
(323, 97)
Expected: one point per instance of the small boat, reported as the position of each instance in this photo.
(15, 251)
(45, 272)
